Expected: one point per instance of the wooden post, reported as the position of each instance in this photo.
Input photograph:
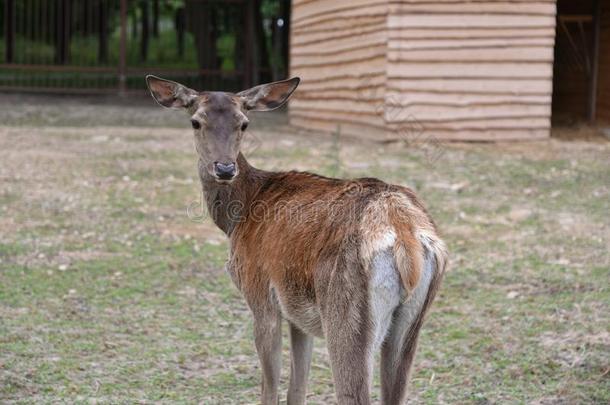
(594, 63)
(123, 49)
(9, 31)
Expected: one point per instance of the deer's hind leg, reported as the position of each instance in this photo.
(398, 349)
(346, 322)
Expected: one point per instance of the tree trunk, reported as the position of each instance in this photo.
(180, 24)
(62, 32)
(250, 51)
(9, 31)
(103, 32)
(285, 35)
(145, 31)
(276, 48)
(261, 65)
(134, 22)
(241, 51)
(201, 21)
(155, 21)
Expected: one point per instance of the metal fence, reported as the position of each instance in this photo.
(109, 45)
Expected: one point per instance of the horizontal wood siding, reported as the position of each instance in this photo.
(603, 95)
(472, 70)
(339, 49)
(461, 70)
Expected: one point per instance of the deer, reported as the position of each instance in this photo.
(357, 262)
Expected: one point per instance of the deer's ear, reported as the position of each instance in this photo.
(270, 96)
(170, 94)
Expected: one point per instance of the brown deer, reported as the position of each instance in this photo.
(355, 261)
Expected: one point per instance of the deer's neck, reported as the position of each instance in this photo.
(228, 204)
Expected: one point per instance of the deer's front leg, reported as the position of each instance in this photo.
(301, 347)
(268, 340)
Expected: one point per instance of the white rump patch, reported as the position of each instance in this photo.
(410, 309)
(385, 292)
(387, 240)
(379, 242)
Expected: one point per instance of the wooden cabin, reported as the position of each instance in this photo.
(451, 69)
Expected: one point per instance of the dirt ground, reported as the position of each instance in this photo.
(112, 287)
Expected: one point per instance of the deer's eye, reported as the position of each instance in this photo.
(195, 124)
(244, 126)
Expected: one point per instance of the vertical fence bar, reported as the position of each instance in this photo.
(249, 40)
(36, 27)
(145, 30)
(288, 40)
(102, 46)
(9, 28)
(23, 45)
(594, 62)
(285, 34)
(44, 30)
(31, 19)
(62, 46)
(123, 50)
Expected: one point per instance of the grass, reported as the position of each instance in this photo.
(110, 293)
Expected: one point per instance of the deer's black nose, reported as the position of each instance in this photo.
(224, 171)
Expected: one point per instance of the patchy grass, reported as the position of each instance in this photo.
(109, 292)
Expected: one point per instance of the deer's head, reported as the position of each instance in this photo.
(219, 119)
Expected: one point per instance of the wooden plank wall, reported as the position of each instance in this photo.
(472, 70)
(338, 48)
(459, 70)
(603, 95)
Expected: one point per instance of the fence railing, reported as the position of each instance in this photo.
(108, 45)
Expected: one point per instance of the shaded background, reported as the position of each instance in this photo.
(94, 46)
